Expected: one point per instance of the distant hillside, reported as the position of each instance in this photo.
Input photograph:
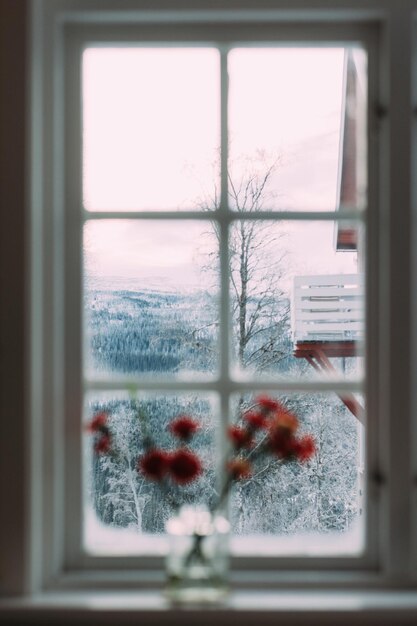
(145, 331)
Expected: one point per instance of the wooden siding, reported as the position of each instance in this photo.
(328, 308)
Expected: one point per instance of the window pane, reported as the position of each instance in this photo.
(297, 128)
(125, 512)
(150, 127)
(150, 298)
(297, 297)
(311, 507)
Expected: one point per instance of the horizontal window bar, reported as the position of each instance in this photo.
(280, 29)
(229, 386)
(229, 215)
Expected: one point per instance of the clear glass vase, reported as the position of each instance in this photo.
(198, 558)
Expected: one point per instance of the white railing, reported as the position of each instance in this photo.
(328, 308)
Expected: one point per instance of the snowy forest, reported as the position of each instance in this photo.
(162, 331)
(131, 332)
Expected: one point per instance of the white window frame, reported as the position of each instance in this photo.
(55, 319)
(75, 41)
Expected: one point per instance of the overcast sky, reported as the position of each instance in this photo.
(151, 140)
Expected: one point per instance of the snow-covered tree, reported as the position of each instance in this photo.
(123, 497)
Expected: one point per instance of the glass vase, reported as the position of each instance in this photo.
(197, 561)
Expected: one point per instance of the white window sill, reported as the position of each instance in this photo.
(393, 608)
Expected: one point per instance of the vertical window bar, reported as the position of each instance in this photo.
(224, 337)
(224, 331)
(224, 136)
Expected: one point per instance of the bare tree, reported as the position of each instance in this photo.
(260, 308)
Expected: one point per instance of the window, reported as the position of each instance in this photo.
(90, 217)
(221, 205)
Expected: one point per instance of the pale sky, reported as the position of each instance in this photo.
(151, 139)
(151, 126)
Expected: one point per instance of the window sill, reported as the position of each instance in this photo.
(306, 608)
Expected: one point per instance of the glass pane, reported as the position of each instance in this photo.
(297, 120)
(150, 298)
(307, 506)
(297, 297)
(150, 127)
(125, 509)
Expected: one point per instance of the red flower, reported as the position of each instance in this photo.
(281, 444)
(268, 404)
(239, 469)
(184, 466)
(284, 420)
(281, 438)
(153, 464)
(103, 444)
(98, 423)
(183, 427)
(305, 448)
(240, 437)
(255, 419)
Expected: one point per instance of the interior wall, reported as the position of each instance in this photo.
(13, 305)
